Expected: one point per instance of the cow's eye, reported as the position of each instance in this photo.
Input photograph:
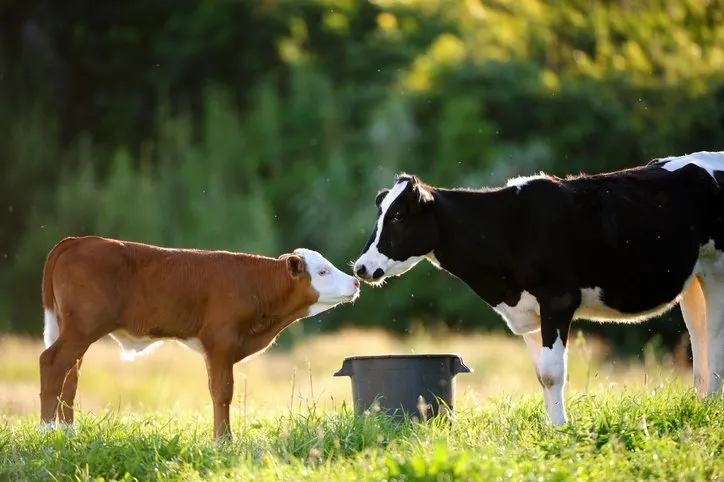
(323, 272)
(396, 218)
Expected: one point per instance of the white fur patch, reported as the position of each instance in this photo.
(133, 347)
(334, 286)
(51, 330)
(551, 369)
(709, 161)
(710, 269)
(193, 344)
(521, 181)
(522, 318)
(594, 309)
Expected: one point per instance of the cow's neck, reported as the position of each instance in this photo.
(473, 242)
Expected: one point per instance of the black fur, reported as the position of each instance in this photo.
(635, 234)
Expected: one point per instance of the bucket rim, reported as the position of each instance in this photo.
(402, 356)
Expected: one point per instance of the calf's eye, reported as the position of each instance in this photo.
(323, 272)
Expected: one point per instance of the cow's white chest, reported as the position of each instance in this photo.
(133, 347)
(524, 317)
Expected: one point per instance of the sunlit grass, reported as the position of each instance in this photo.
(636, 434)
(292, 420)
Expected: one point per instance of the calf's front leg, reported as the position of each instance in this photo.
(220, 368)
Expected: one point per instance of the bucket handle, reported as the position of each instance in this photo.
(459, 367)
(345, 371)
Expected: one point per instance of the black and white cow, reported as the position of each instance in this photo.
(542, 251)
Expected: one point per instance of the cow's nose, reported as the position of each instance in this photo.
(361, 272)
(356, 282)
(378, 273)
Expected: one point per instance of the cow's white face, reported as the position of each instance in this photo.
(404, 234)
(334, 286)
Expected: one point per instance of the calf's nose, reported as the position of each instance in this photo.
(356, 283)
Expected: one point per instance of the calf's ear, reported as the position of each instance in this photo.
(295, 265)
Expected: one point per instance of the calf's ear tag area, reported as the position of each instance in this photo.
(295, 265)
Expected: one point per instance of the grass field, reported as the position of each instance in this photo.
(151, 419)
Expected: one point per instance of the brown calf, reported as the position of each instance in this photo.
(226, 305)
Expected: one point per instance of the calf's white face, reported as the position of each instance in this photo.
(334, 286)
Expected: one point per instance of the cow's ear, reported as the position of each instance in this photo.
(380, 196)
(424, 196)
(295, 265)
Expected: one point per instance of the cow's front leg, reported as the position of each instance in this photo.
(556, 317)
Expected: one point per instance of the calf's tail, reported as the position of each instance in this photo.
(51, 329)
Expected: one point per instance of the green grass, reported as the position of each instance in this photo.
(635, 434)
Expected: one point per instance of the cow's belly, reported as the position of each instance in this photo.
(524, 317)
(133, 347)
(593, 308)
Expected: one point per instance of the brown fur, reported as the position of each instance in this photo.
(234, 303)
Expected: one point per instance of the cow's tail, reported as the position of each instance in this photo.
(51, 329)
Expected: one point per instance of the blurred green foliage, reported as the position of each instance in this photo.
(269, 125)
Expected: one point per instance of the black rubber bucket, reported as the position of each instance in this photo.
(414, 384)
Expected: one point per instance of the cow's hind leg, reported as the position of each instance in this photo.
(693, 309)
(712, 281)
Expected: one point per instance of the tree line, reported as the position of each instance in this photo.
(267, 125)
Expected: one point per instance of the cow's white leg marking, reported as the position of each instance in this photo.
(693, 309)
(711, 274)
(550, 363)
(551, 369)
(550, 366)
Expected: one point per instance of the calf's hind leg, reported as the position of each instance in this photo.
(56, 363)
(67, 396)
